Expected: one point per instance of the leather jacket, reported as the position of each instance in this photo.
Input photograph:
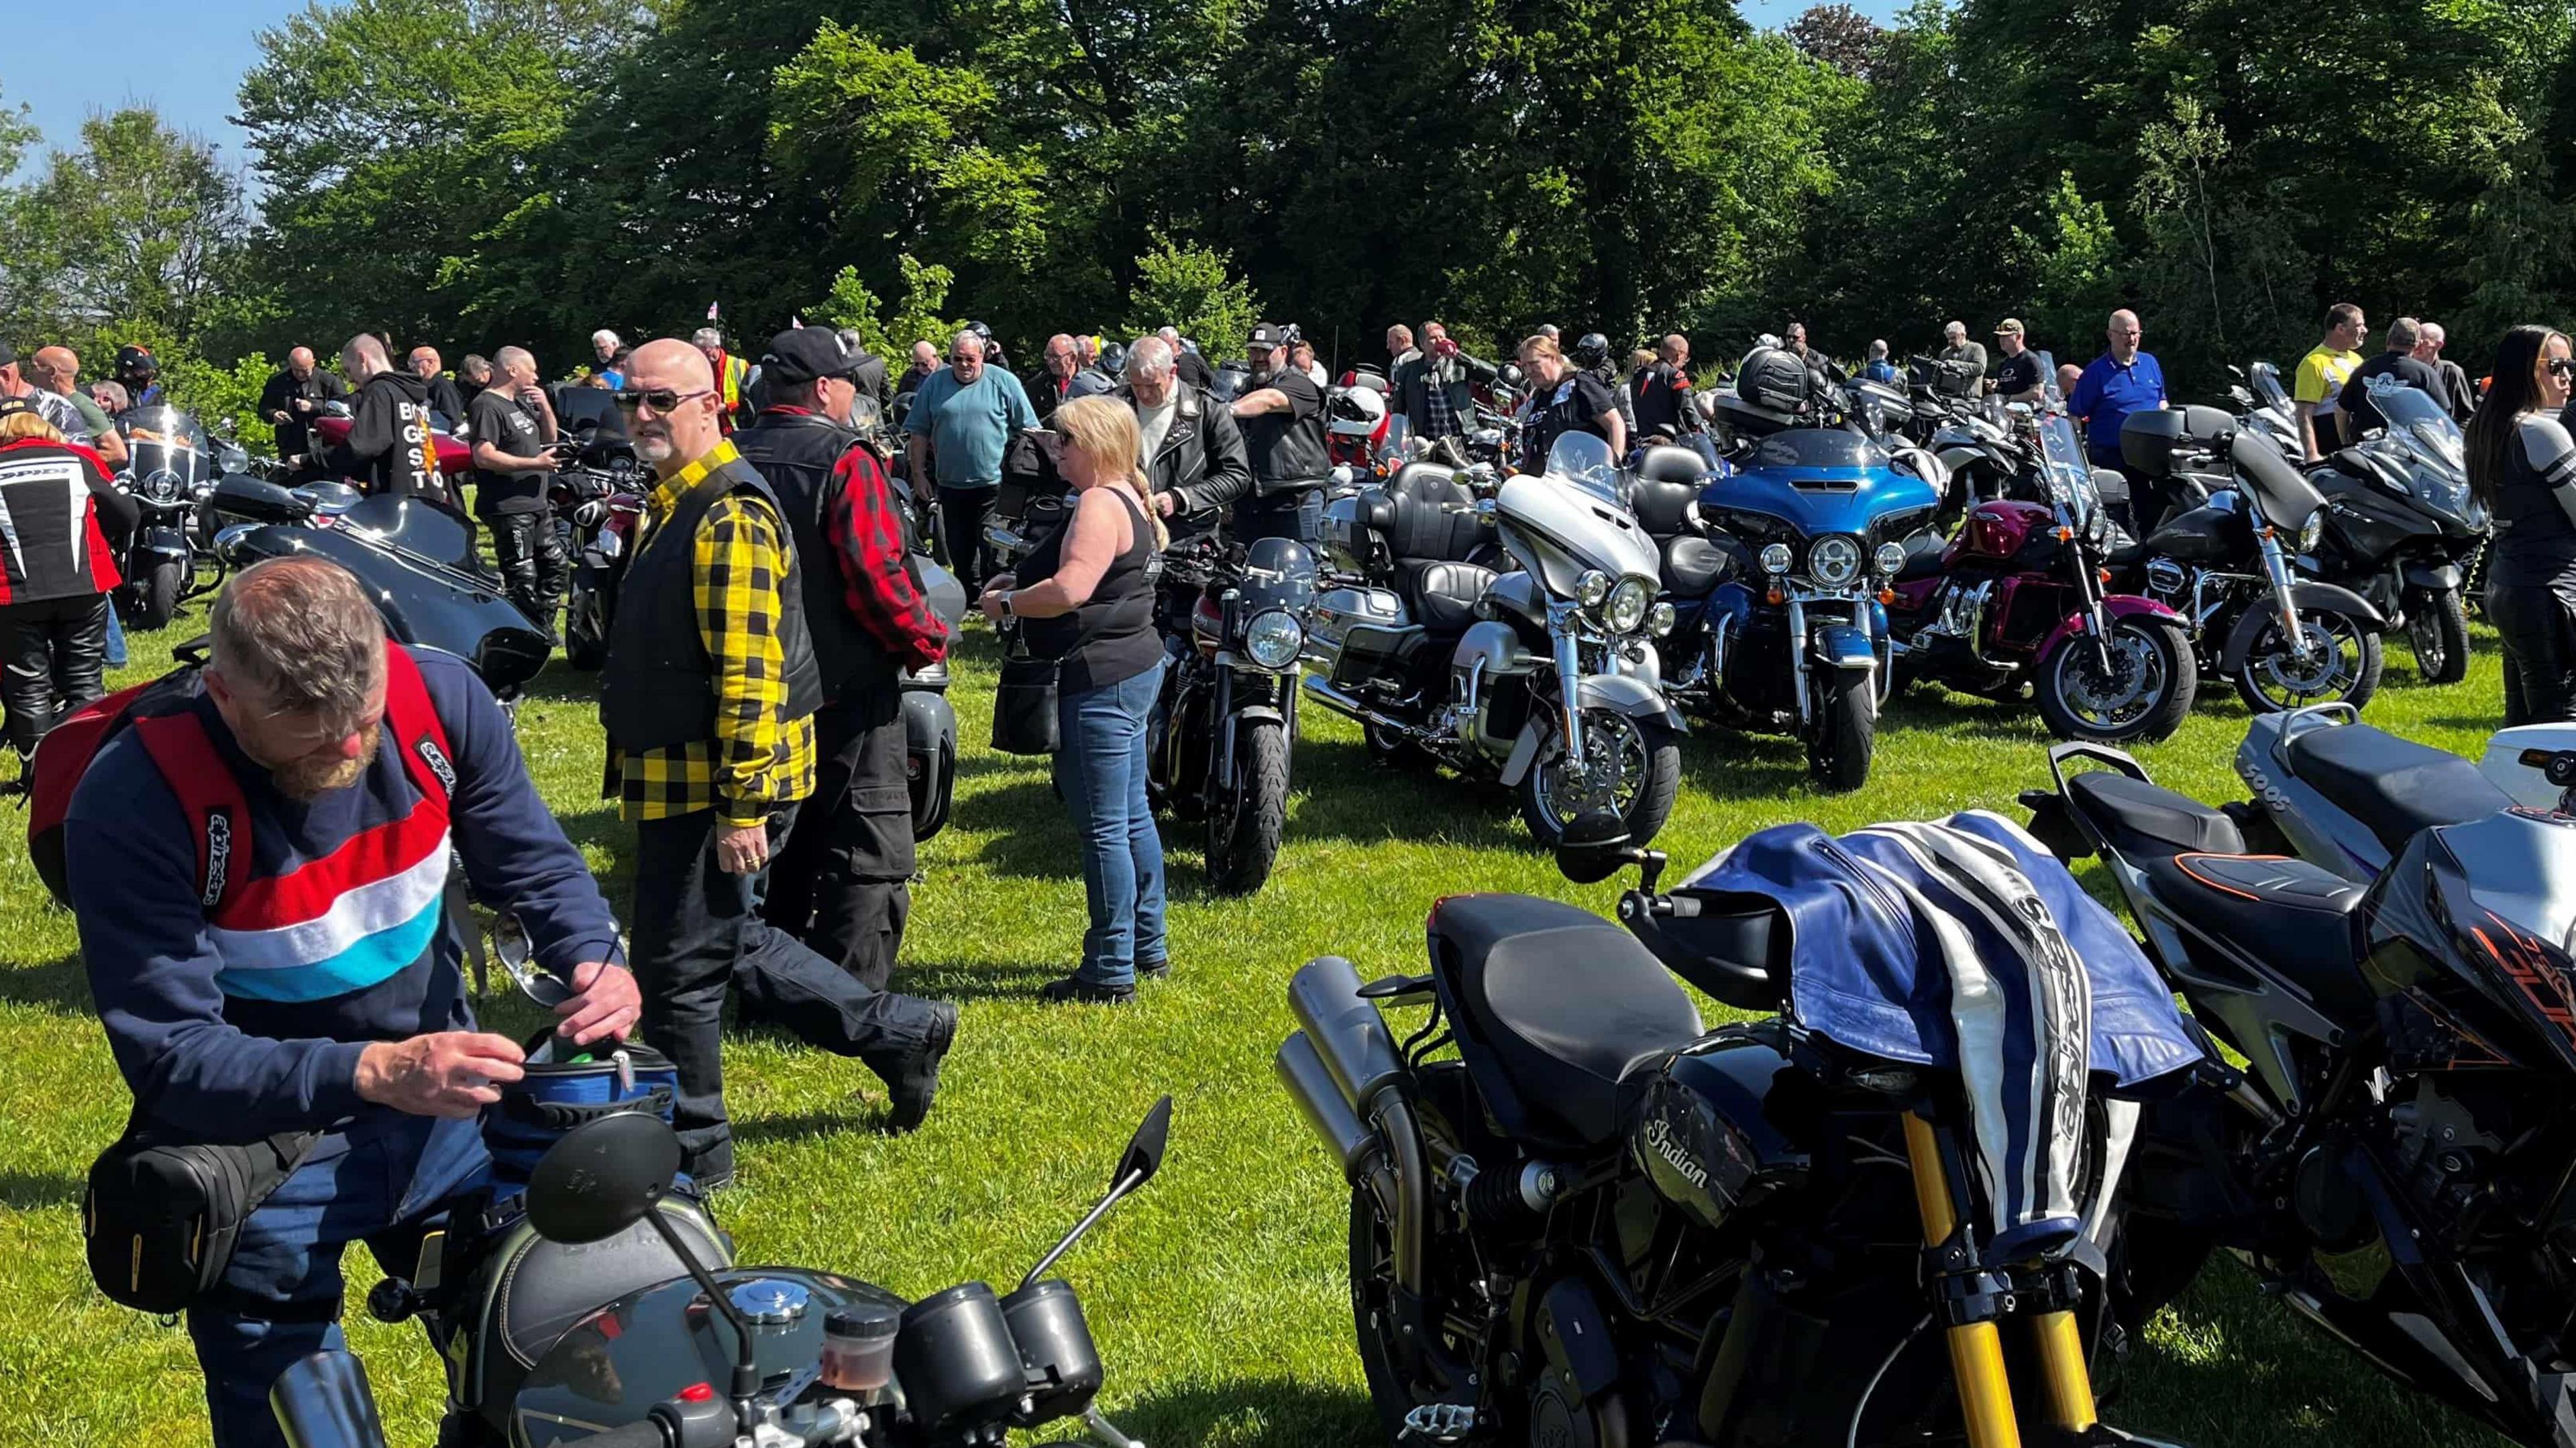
(1202, 458)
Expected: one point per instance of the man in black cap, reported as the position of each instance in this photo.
(840, 880)
(1283, 430)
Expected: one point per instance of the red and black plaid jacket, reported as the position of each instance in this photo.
(866, 530)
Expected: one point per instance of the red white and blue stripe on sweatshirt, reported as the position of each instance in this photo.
(248, 1021)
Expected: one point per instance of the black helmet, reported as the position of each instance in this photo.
(1775, 380)
(1510, 374)
(135, 362)
(1591, 350)
(1113, 360)
(980, 330)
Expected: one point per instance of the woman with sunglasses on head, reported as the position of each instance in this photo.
(2522, 465)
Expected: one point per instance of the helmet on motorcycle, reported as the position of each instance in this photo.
(1591, 350)
(1511, 375)
(1113, 360)
(1775, 381)
(1356, 412)
(134, 362)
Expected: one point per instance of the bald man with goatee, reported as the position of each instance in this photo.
(297, 394)
(709, 700)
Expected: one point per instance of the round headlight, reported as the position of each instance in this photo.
(161, 485)
(2315, 529)
(1629, 604)
(1592, 587)
(1834, 561)
(1775, 558)
(1661, 621)
(1891, 557)
(1273, 639)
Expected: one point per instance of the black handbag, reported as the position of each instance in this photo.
(1024, 701)
(161, 1219)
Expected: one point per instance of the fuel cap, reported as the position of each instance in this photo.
(768, 1301)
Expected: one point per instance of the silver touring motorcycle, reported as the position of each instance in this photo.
(1505, 629)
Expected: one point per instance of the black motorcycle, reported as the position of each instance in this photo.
(172, 464)
(2396, 1161)
(2402, 526)
(625, 1324)
(2236, 516)
(1579, 1217)
(1227, 720)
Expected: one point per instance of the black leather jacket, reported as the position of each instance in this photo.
(1202, 458)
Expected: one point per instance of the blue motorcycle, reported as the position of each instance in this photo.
(1778, 579)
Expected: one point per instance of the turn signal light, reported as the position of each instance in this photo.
(1775, 597)
(1887, 595)
(2106, 576)
(2065, 535)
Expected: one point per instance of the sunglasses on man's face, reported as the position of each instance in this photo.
(660, 399)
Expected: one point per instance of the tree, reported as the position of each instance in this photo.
(1192, 288)
(1837, 36)
(139, 225)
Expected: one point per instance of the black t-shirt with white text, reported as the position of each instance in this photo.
(2017, 374)
(502, 421)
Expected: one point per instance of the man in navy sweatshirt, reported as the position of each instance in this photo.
(318, 991)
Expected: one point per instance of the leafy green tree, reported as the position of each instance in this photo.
(140, 224)
(1193, 289)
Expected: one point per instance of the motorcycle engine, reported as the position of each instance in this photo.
(2169, 583)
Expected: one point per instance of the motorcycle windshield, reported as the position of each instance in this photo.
(1586, 461)
(2267, 386)
(1277, 573)
(1227, 385)
(418, 526)
(2432, 441)
(1821, 448)
(2070, 473)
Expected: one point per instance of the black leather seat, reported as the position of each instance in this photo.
(1924, 553)
(2394, 787)
(1693, 565)
(2148, 820)
(1557, 1006)
(1442, 596)
(2293, 916)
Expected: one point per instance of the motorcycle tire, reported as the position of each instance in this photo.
(2255, 670)
(1658, 761)
(2161, 649)
(585, 643)
(1372, 1269)
(1845, 733)
(156, 594)
(2437, 631)
(1244, 832)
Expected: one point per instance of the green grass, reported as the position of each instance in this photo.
(1218, 1294)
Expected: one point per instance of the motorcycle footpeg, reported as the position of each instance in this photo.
(1439, 1423)
(393, 1300)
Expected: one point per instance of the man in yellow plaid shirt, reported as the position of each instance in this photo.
(709, 699)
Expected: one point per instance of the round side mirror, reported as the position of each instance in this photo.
(1593, 847)
(602, 1177)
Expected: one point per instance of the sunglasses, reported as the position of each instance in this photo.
(660, 399)
(2564, 367)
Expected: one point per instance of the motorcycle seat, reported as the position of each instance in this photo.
(1430, 516)
(2293, 916)
(2149, 821)
(1557, 1009)
(2394, 787)
(1442, 596)
(1693, 565)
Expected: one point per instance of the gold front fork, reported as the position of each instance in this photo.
(1976, 1349)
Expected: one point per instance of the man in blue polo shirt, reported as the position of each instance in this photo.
(2121, 381)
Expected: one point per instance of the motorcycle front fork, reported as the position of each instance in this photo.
(1972, 1300)
(2276, 566)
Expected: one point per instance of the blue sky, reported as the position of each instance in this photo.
(205, 45)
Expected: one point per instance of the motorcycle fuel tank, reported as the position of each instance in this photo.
(1705, 1136)
(1995, 532)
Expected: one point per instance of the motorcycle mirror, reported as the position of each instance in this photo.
(1143, 1158)
(323, 1401)
(1592, 847)
(602, 1178)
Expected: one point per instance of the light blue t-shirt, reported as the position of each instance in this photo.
(970, 426)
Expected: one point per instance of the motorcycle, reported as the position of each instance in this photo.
(1815, 517)
(1545, 677)
(171, 469)
(2394, 1162)
(1227, 721)
(609, 1346)
(2016, 598)
(415, 555)
(2222, 559)
(1596, 1222)
(2402, 526)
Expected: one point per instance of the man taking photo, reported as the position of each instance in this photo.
(296, 394)
(301, 982)
(709, 699)
(514, 465)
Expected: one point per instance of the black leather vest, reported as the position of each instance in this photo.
(659, 689)
(795, 453)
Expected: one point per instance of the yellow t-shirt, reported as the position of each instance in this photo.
(2321, 377)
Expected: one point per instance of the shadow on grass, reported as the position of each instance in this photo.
(61, 986)
(1251, 1413)
(35, 1191)
(982, 980)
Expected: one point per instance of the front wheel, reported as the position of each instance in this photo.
(1632, 767)
(2144, 694)
(2437, 629)
(1846, 729)
(2342, 665)
(1245, 826)
(156, 593)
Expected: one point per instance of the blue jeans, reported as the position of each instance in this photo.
(1298, 516)
(384, 1181)
(1100, 765)
(115, 639)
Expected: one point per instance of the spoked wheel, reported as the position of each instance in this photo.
(2437, 629)
(2146, 692)
(2342, 665)
(1632, 767)
(1845, 731)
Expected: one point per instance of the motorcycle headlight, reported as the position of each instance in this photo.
(1834, 561)
(1891, 557)
(1273, 639)
(2314, 530)
(1629, 604)
(161, 485)
(1661, 621)
(1592, 588)
(1775, 558)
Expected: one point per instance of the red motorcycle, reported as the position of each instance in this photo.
(2017, 599)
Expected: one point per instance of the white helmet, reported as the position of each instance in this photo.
(1357, 412)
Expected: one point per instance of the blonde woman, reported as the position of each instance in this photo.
(70, 525)
(1086, 599)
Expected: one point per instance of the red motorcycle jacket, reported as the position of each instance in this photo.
(61, 522)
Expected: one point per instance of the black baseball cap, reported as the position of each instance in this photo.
(1266, 337)
(805, 354)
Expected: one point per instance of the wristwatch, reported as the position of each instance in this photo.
(1009, 594)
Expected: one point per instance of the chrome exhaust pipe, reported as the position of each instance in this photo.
(1302, 1072)
(1346, 1032)
(1342, 703)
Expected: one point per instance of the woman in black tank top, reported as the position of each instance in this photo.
(2522, 465)
(1086, 598)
